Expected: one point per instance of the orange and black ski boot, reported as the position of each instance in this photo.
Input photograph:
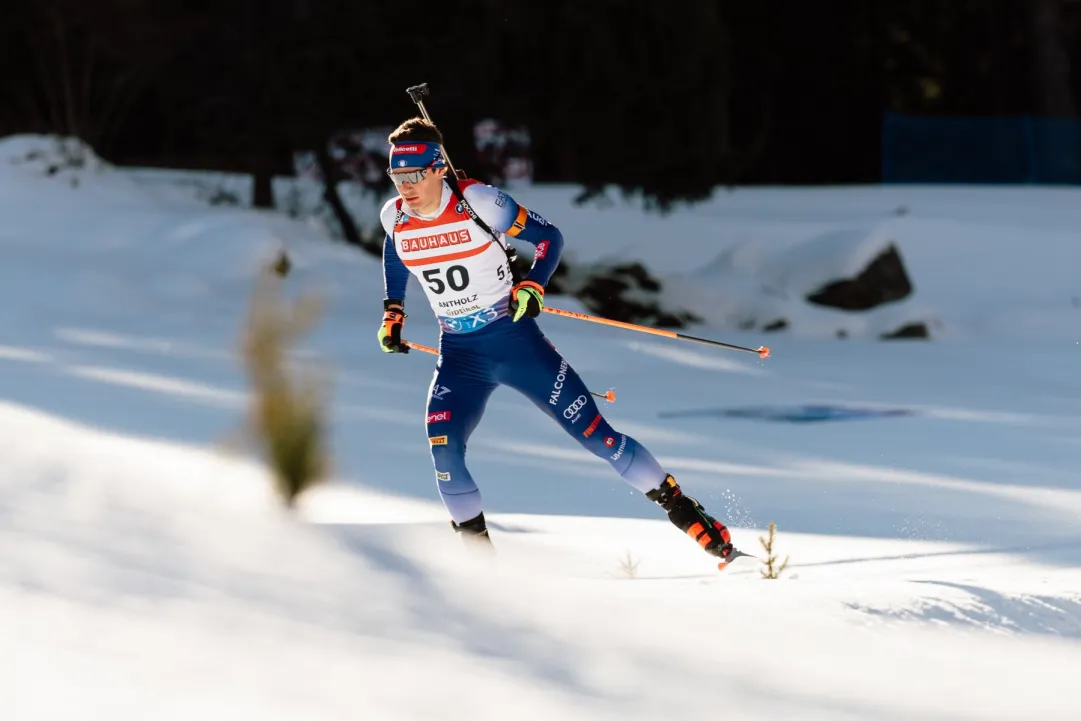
(689, 516)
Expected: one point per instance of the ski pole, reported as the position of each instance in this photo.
(422, 348)
(609, 395)
(762, 351)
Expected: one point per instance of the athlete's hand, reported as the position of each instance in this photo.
(526, 299)
(390, 333)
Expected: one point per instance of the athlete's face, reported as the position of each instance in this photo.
(423, 194)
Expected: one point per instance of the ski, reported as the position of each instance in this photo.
(736, 553)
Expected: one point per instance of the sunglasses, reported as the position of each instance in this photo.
(409, 176)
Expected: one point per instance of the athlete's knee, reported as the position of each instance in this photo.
(451, 475)
(600, 438)
(447, 450)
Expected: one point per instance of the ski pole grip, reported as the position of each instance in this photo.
(417, 91)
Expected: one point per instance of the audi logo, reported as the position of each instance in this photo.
(578, 404)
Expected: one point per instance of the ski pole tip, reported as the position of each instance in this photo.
(763, 352)
(610, 396)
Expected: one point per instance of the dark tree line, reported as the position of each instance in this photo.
(670, 99)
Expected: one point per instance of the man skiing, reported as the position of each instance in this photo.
(451, 234)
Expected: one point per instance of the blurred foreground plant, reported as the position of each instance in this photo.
(287, 413)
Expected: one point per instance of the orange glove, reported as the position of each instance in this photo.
(390, 333)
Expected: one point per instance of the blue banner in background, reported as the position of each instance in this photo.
(1017, 149)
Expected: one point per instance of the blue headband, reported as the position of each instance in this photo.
(416, 155)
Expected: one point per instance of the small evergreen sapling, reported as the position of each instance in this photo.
(771, 570)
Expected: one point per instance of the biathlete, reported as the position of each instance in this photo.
(452, 235)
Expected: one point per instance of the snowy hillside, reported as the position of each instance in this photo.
(927, 492)
(983, 262)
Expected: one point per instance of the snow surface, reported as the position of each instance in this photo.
(147, 572)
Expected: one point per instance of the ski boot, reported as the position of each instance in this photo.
(689, 516)
(474, 532)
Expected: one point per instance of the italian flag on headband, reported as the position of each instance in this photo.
(416, 155)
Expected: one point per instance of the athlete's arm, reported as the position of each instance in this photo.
(505, 215)
(395, 274)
